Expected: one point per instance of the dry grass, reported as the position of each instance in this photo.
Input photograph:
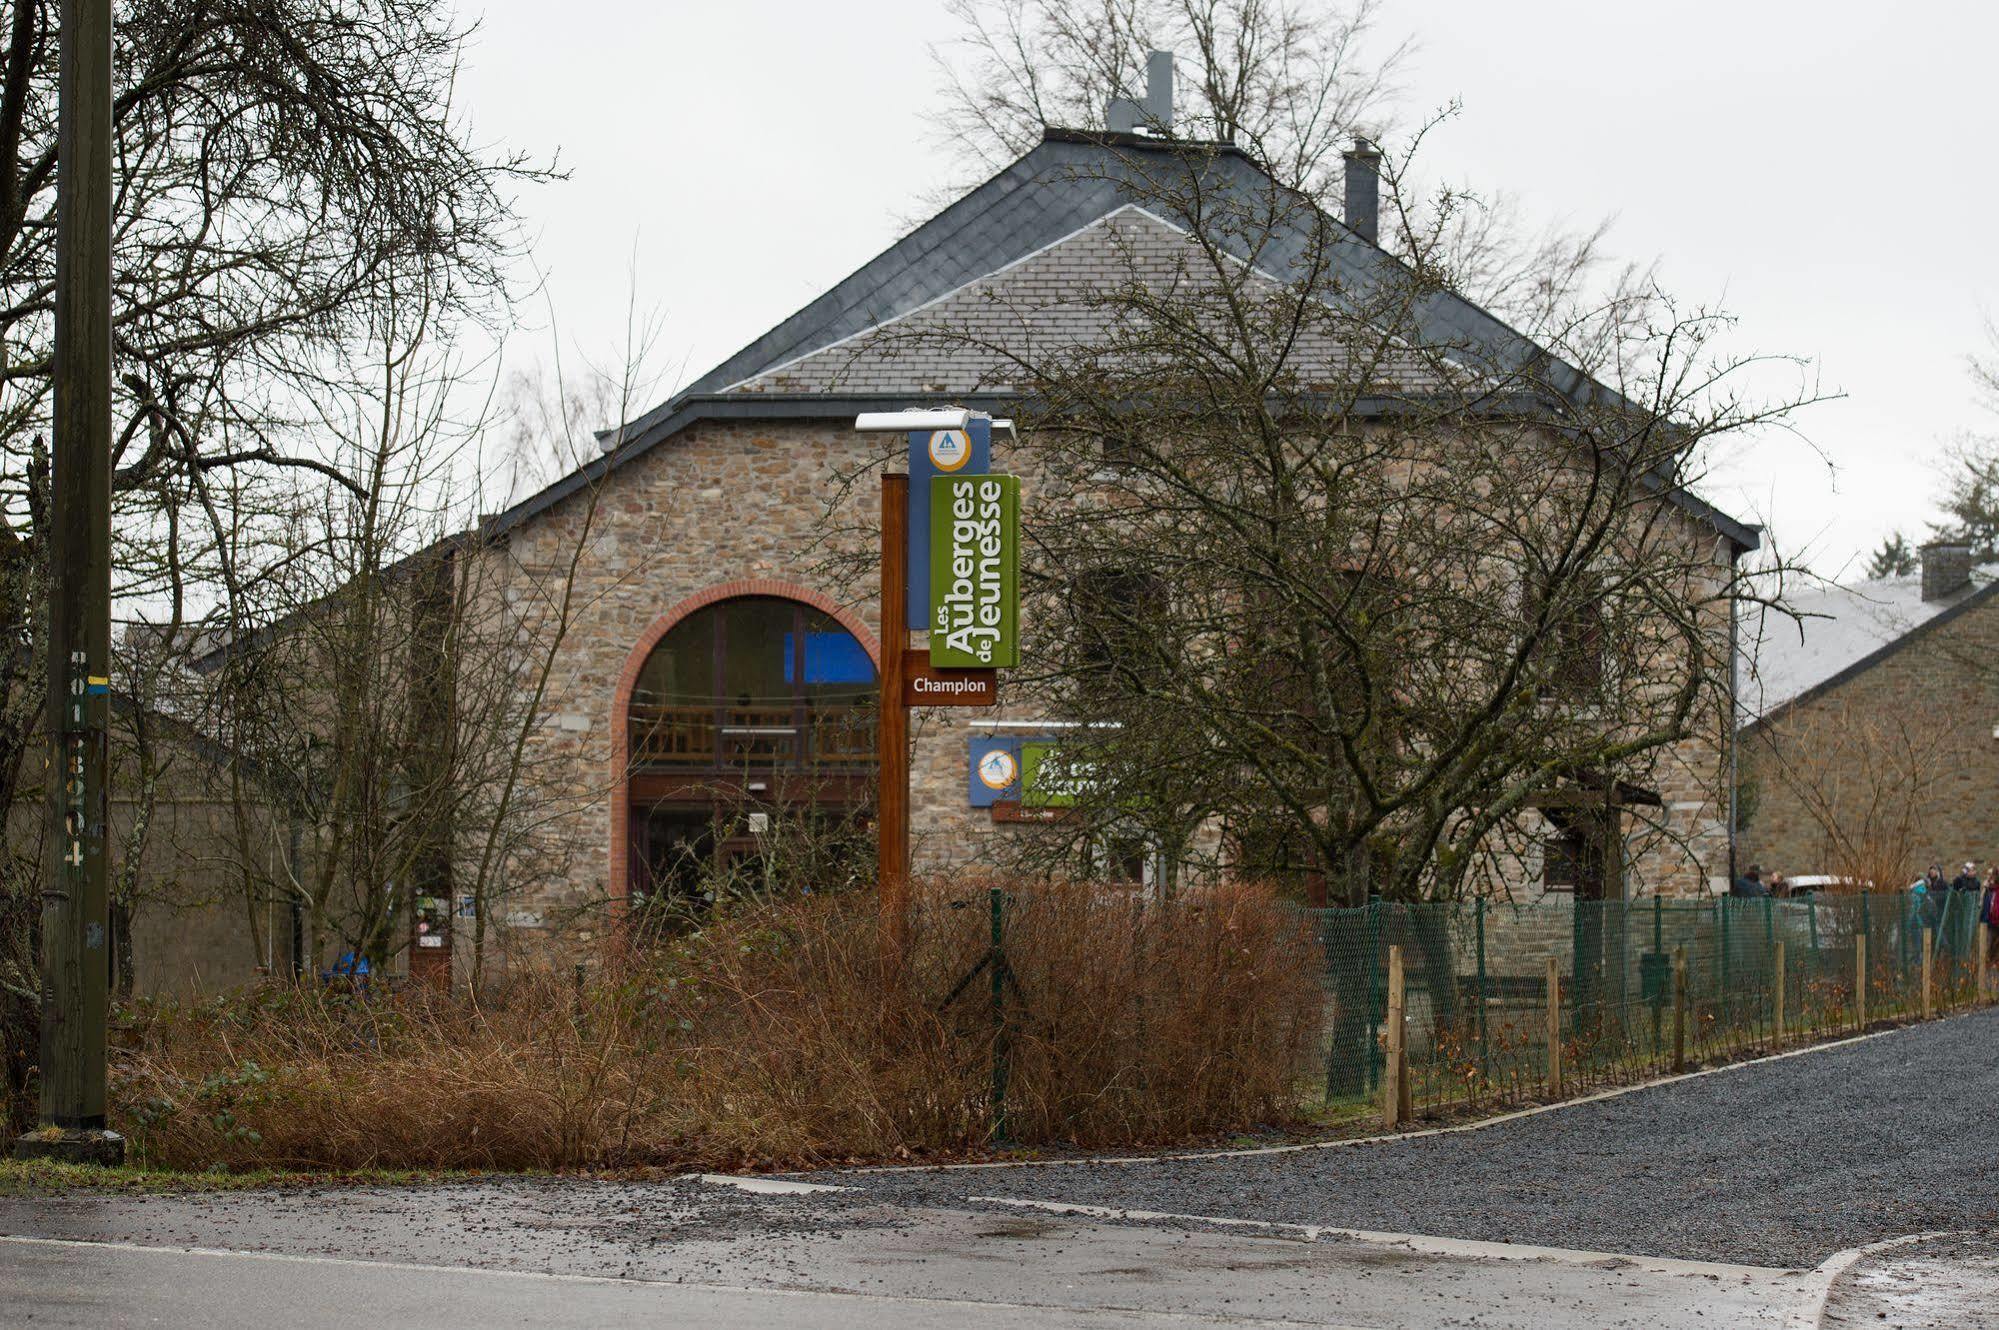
(775, 1037)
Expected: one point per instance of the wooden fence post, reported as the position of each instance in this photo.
(1777, 993)
(1554, 1028)
(1929, 948)
(1393, 1093)
(1680, 1008)
(1982, 939)
(1860, 981)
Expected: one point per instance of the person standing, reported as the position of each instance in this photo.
(1749, 884)
(1986, 907)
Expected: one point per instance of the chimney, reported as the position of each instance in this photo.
(1946, 568)
(1155, 114)
(1159, 89)
(1364, 190)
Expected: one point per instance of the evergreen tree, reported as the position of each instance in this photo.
(1971, 498)
(1895, 558)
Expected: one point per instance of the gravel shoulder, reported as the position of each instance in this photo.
(1780, 1163)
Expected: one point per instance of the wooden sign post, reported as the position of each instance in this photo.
(892, 732)
(964, 557)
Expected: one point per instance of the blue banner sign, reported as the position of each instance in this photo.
(942, 452)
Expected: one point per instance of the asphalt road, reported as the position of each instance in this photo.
(890, 1271)
(1757, 1173)
(95, 1287)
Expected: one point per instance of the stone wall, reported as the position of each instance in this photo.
(788, 508)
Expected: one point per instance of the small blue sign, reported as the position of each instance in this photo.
(942, 452)
(995, 769)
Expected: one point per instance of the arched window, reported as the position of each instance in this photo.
(758, 681)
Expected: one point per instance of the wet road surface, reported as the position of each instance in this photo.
(1757, 1174)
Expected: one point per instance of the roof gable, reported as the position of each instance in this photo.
(1068, 184)
(1843, 631)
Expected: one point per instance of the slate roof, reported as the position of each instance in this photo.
(977, 338)
(1059, 188)
(1842, 631)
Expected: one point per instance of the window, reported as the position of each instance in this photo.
(1577, 639)
(757, 680)
(1117, 617)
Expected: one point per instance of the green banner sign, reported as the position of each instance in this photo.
(974, 571)
(1052, 777)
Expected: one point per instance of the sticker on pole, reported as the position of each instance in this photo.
(974, 617)
(949, 450)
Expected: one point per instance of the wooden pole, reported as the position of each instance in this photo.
(1981, 939)
(75, 892)
(1777, 992)
(1554, 1028)
(1394, 1095)
(1860, 981)
(1679, 1008)
(1929, 945)
(892, 737)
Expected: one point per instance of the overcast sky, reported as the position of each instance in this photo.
(1824, 170)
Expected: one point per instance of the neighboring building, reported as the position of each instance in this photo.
(1870, 726)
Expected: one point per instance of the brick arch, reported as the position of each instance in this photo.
(621, 729)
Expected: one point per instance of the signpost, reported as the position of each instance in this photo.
(950, 454)
(892, 729)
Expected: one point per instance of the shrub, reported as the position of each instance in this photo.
(772, 1036)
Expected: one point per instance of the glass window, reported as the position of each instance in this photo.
(758, 663)
(681, 669)
(757, 650)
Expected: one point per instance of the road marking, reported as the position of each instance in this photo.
(1345, 1142)
(782, 1291)
(1810, 1314)
(768, 1186)
(1468, 1247)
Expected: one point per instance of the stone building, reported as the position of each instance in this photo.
(715, 656)
(695, 605)
(1870, 726)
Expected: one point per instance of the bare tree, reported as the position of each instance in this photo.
(1292, 83)
(1352, 583)
(1291, 78)
(282, 168)
(1865, 783)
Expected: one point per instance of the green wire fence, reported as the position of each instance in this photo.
(1477, 993)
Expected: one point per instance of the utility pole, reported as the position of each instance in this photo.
(75, 901)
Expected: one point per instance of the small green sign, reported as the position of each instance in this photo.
(1051, 777)
(974, 571)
